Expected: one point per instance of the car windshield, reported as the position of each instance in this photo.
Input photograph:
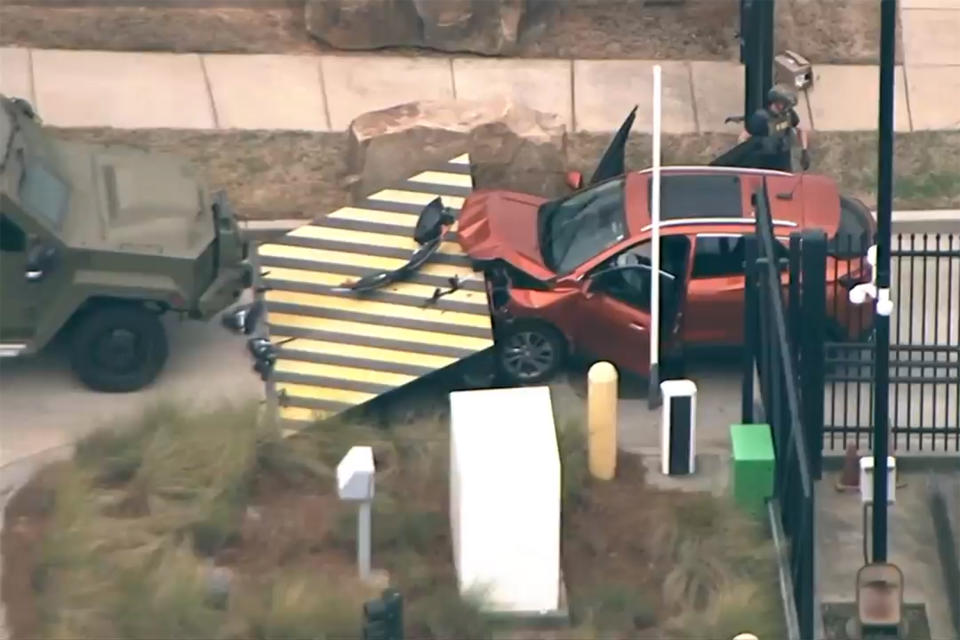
(576, 228)
(43, 193)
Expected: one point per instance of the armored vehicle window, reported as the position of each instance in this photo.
(44, 194)
(12, 237)
(6, 134)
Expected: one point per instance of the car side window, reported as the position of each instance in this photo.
(12, 237)
(718, 256)
(630, 285)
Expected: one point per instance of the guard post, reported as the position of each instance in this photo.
(678, 427)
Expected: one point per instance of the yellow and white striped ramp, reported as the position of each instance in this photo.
(349, 348)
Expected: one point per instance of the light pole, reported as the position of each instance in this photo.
(883, 306)
(653, 393)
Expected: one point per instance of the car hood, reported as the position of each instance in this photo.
(502, 225)
(130, 200)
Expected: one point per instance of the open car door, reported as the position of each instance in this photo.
(612, 162)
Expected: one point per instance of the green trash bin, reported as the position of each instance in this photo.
(753, 466)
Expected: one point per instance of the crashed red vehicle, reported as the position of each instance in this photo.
(573, 274)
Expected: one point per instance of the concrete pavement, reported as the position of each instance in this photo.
(44, 407)
(325, 92)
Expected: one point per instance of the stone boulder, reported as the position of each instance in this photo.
(479, 26)
(511, 146)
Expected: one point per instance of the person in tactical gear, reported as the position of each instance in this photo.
(779, 125)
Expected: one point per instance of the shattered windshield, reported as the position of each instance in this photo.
(576, 228)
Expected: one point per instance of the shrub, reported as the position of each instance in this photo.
(166, 598)
(616, 607)
(444, 615)
(310, 606)
(740, 607)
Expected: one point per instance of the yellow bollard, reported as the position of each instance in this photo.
(602, 420)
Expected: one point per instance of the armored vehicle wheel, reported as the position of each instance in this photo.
(118, 348)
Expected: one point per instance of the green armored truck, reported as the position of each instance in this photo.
(97, 242)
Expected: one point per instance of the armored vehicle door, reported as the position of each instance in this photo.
(16, 314)
(27, 265)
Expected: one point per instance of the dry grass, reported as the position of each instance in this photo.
(273, 174)
(267, 174)
(126, 516)
(141, 516)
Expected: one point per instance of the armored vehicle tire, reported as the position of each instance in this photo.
(530, 352)
(118, 348)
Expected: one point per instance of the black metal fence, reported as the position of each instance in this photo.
(774, 351)
(924, 347)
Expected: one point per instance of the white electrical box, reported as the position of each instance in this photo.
(355, 475)
(505, 498)
(866, 479)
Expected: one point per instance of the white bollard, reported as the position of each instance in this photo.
(678, 427)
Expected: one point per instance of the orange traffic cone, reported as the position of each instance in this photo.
(850, 476)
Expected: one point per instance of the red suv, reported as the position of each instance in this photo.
(572, 275)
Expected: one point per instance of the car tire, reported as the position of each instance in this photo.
(530, 352)
(118, 348)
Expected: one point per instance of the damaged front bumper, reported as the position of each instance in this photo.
(234, 273)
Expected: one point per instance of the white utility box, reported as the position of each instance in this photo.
(505, 498)
(355, 475)
(866, 479)
(678, 427)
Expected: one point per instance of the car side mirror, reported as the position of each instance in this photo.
(574, 180)
(40, 260)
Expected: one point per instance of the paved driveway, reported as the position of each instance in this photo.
(43, 406)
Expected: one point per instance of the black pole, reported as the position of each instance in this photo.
(812, 309)
(756, 51)
(888, 21)
(766, 25)
(751, 348)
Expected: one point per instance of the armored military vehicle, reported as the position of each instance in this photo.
(97, 242)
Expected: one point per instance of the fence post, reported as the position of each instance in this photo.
(812, 310)
(750, 336)
(793, 296)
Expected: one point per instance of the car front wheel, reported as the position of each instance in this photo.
(118, 348)
(530, 353)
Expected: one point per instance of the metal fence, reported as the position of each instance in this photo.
(772, 358)
(924, 348)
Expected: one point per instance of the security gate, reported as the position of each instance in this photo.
(924, 354)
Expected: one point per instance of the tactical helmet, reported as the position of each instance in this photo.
(783, 95)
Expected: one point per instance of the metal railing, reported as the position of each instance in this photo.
(924, 398)
(774, 357)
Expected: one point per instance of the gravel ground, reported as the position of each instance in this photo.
(300, 175)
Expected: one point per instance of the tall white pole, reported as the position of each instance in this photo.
(654, 391)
